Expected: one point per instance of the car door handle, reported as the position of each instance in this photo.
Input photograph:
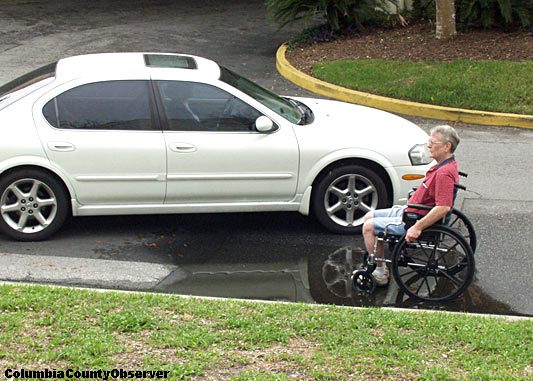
(182, 147)
(61, 146)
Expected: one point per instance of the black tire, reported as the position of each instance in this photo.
(344, 195)
(33, 205)
(437, 267)
(461, 224)
(363, 281)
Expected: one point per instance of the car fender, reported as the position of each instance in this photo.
(311, 173)
(39, 162)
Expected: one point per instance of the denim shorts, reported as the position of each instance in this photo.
(392, 216)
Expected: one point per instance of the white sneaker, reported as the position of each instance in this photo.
(381, 275)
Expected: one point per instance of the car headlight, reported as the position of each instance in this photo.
(419, 155)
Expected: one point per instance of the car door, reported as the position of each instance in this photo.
(214, 152)
(103, 135)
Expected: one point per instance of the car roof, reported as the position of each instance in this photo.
(136, 64)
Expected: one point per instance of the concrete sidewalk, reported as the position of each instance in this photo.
(86, 272)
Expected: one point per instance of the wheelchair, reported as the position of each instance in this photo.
(439, 266)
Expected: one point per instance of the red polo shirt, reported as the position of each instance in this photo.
(438, 187)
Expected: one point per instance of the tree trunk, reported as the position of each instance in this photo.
(445, 19)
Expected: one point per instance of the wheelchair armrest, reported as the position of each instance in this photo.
(427, 207)
(419, 206)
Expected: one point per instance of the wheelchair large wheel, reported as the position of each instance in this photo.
(437, 267)
(461, 224)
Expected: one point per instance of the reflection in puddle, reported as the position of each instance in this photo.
(333, 286)
(282, 281)
(315, 275)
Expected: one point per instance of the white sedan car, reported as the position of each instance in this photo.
(151, 133)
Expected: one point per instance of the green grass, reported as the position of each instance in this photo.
(500, 86)
(61, 329)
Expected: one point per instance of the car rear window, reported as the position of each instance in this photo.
(113, 105)
(28, 79)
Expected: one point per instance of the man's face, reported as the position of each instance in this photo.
(438, 149)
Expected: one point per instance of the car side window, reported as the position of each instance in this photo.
(112, 105)
(191, 106)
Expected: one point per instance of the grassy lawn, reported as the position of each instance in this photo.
(501, 86)
(60, 329)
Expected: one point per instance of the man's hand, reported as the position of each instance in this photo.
(413, 233)
(434, 215)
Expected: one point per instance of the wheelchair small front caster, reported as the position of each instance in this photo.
(363, 281)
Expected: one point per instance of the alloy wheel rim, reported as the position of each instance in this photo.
(28, 205)
(349, 198)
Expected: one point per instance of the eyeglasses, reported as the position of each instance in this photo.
(432, 143)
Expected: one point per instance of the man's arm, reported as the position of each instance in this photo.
(437, 213)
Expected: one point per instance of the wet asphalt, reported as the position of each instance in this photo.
(272, 256)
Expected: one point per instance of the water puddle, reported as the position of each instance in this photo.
(269, 256)
(316, 275)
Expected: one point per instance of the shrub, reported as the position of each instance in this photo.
(336, 15)
(483, 13)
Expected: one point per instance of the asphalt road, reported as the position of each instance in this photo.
(271, 256)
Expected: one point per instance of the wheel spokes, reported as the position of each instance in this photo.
(437, 267)
(28, 205)
(349, 198)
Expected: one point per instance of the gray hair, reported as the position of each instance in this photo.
(449, 135)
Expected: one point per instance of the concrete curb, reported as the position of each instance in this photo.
(87, 272)
(394, 105)
(510, 318)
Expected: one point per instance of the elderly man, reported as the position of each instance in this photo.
(436, 191)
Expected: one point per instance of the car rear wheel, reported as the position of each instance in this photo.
(344, 195)
(33, 205)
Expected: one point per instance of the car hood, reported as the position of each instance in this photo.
(346, 125)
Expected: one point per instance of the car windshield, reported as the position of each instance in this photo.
(28, 79)
(284, 107)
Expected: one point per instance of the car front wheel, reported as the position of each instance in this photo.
(33, 205)
(344, 195)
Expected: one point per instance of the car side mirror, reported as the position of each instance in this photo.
(264, 125)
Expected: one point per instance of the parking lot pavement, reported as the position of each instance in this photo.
(504, 258)
(235, 33)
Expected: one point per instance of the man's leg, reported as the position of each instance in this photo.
(375, 222)
(370, 238)
(373, 245)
